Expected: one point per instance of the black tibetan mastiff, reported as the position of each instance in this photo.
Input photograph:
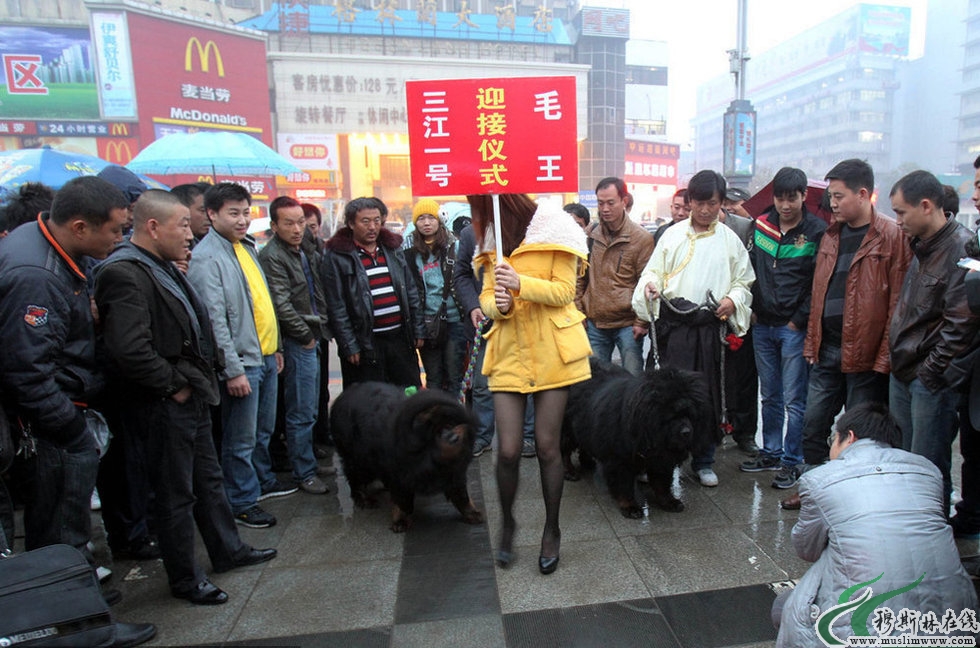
(635, 424)
(413, 444)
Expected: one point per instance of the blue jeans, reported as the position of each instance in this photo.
(247, 424)
(57, 486)
(704, 460)
(929, 424)
(301, 396)
(604, 340)
(827, 392)
(443, 359)
(783, 374)
(482, 405)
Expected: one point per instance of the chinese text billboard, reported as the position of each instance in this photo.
(114, 63)
(739, 145)
(485, 136)
(651, 162)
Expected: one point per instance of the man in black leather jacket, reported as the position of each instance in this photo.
(932, 323)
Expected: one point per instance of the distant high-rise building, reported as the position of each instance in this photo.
(825, 95)
(968, 141)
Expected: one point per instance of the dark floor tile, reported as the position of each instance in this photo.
(446, 571)
(623, 624)
(729, 617)
(447, 586)
(374, 638)
(438, 529)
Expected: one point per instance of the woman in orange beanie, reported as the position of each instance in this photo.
(433, 256)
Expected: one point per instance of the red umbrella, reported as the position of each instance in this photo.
(762, 200)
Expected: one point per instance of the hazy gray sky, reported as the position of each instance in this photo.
(700, 32)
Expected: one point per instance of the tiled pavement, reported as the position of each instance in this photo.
(701, 578)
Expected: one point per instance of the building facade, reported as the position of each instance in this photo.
(826, 95)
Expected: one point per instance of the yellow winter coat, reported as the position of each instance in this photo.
(541, 342)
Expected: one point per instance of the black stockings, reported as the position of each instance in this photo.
(549, 408)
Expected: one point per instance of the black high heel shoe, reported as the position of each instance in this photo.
(547, 565)
(505, 553)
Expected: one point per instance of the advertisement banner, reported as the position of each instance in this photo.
(885, 29)
(651, 162)
(309, 152)
(47, 73)
(739, 144)
(485, 136)
(117, 92)
(191, 77)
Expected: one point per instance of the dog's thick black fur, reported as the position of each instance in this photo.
(419, 444)
(636, 424)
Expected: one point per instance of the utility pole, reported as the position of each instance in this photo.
(740, 117)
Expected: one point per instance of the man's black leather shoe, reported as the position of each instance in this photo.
(253, 557)
(133, 634)
(204, 593)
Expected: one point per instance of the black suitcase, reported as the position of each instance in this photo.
(50, 597)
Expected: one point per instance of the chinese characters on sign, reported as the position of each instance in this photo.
(739, 143)
(117, 90)
(484, 136)
(651, 162)
(387, 89)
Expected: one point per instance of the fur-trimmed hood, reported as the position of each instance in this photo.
(550, 227)
(343, 240)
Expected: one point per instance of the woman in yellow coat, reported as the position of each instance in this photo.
(537, 344)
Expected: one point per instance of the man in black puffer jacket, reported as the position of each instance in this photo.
(48, 366)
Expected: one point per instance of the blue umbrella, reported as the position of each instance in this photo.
(51, 167)
(215, 152)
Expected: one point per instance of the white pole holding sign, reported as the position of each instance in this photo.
(497, 236)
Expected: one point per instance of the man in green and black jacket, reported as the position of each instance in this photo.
(783, 256)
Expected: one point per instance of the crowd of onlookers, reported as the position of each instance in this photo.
(153, 313)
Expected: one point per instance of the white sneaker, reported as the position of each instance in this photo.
(707, 477)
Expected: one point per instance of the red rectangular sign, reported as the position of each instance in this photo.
(190, 77)
(486, 136)
(651, 162)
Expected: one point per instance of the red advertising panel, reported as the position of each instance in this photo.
(485, 136)
(651, 162)
(190, 77)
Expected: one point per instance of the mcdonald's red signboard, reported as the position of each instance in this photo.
(191, 77)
